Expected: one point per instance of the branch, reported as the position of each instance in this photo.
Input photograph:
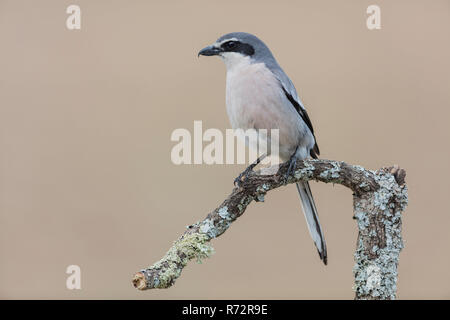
(379, 198)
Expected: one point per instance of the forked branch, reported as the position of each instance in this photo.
(379, 198)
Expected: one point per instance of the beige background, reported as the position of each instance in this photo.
(86, 118)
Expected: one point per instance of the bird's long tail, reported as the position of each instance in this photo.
(312, 218)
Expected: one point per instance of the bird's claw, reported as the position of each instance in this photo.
(238, 181)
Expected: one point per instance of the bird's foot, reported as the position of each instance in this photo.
(291, 167)
(244, 174)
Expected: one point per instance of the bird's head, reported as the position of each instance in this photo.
(238, 47)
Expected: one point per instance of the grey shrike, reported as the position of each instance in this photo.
(259, 95)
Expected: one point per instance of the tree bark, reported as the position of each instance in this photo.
(379, 198)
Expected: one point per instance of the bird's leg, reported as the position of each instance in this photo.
(292, 165)
(238, 181)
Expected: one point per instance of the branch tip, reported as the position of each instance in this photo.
(139, 281)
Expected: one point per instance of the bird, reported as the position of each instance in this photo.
(259, 95)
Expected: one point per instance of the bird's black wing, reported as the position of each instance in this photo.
(315, 152)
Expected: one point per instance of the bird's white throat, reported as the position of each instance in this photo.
(235, 60)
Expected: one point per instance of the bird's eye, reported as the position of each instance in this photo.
(230, 45)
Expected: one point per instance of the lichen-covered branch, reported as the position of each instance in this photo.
(379, 242)
(379, 198)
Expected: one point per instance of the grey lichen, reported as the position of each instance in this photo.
(224, 214)
(373, 277)
(263, 188)
(207, 227)
(222, 224)
(261, 192)
(305, 172)
(332, 174)
(363, 185)
(361, 216)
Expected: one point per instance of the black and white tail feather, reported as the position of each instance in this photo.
(312, 219)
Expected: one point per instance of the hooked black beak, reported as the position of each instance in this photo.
(210, 51)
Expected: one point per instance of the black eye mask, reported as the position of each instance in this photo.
(239, 47)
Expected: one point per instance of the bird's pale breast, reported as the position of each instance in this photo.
(255, 99)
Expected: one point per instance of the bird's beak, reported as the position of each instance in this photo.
(210, 51)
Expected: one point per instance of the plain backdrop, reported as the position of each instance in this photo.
(86, 117)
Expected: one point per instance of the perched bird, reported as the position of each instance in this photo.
(259, 95)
